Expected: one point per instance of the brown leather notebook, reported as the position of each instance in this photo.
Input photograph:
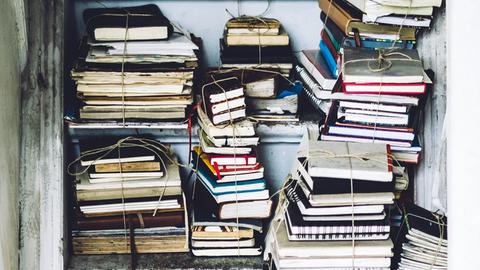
(347, 23)
(176, 219)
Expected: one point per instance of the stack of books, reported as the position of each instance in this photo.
(382, 106)
(422, 239)
(260, 43)
(128, 199)
(259, 49)
(374, 24)
(334, 215)
(230, 185)
(134, 68)
(268, 96)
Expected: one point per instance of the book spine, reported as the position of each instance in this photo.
(331, 62)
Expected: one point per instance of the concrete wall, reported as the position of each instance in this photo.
(9, 134)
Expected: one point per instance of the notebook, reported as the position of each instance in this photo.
(144, 23)
(338, 160)
(347, 23)
(297, 225)
(254, 209)
(281, 39)
(400, 71)
(317, 67)
(296, 195)
(225, 175)
(337, 249)
(238, 129)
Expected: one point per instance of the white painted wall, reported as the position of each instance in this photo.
(9, 134)
(206, 19)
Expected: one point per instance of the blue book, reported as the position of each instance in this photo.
(226, 188)
(331, 62)
(378, 43)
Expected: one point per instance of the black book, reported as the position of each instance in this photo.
(323, 185)
(299, 226)
(131, 150)
(337, 33)
(334, 237)
(206, 211)
(297, 196)
(250, 54)
(351, 9)
(144, 23)
(425, 221)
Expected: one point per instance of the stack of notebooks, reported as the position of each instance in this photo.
(230, 185)
(267, 96)
(135, 69)
(379, 107)
(422, 240)
(374, 24)
(379, 25)
(128, 199)
(323, 217)
(259, 43)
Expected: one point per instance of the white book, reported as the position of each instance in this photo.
(117, 160)
(329, 250)
(135, 33)
(345, 160)
(237, 141)
(238, 129)
(222, 252)
(392, 99)
(253, 31)
(228, 116)
(392, 143)
(239, 176)
(417, 7)
(125, 175)
(209, 147)
(407, 3)
(374, 133)
(249, 209)
(345, 217)
(222, 243)
(373, 106)
(358, 199)
(370, 117)
(231, 94)
(175, 42)
(228, 105)
(398, 20)
(132, 88)
(130, 206)
(326, 83)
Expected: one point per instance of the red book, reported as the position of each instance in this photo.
(384, 88)
(329, 43)
(232, 160)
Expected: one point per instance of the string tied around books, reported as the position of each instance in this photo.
(363, 157)
(161, 151)
(231, 123)
(127, 15)
(253, 22)
(439, 219)
(383, 61)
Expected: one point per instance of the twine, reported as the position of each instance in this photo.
(234, 128)
(439, 221)
(153, 146)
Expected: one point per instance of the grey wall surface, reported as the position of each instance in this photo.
(9, 135)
